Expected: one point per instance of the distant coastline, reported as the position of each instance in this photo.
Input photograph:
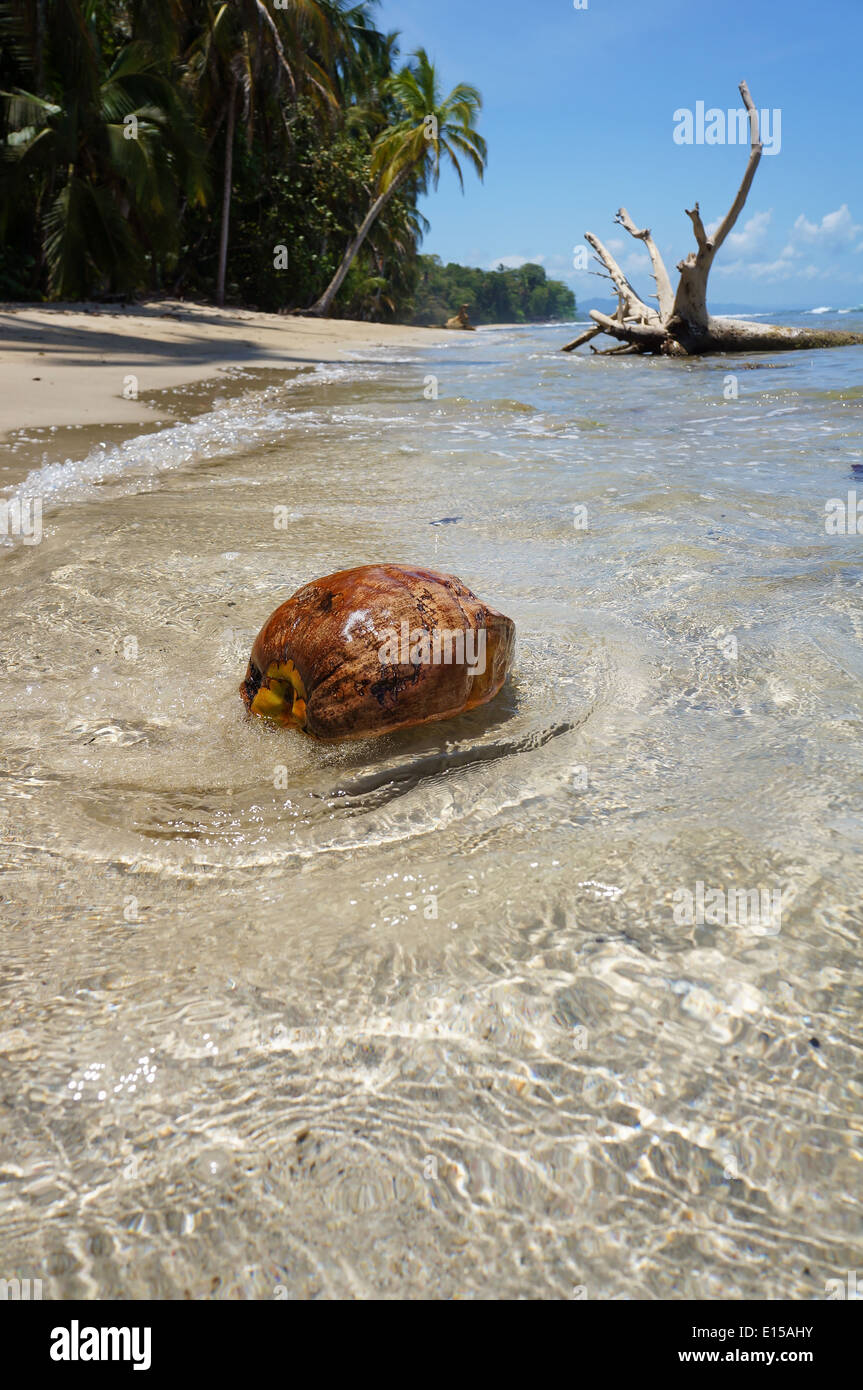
(503, 294)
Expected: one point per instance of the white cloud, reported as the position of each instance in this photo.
(559, 267)
(830, 238)
(835, 228)
(783, 268)
(752, 235)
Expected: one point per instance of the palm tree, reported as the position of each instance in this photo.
(427, 127)
(250, 56)
(104, 150)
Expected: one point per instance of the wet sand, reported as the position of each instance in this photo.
(64, 365)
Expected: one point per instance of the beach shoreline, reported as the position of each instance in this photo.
(227, 946)
(96, 365)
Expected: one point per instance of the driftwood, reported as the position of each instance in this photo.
(681, 325)
(461, 320)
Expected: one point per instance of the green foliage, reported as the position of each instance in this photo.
(424, 127)
(325, 119)
(104, 206)
(523, 295)
(428, 127)
(308, 207)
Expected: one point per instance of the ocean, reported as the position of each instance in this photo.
(560, 999)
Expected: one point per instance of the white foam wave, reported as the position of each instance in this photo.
(230, 427)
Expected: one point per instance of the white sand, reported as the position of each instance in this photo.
(68, 365)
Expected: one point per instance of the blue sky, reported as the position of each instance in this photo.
(579, 117)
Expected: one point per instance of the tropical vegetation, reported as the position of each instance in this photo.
(270, 153)
(522, 294)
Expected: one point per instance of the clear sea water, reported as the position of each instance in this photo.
(429, 1016)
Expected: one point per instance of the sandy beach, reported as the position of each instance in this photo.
(437, 1015)
(431, 783)
(71, 365)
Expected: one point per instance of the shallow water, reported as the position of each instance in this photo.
(418, 1017)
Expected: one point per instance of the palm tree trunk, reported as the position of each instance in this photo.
(226, 192)
(322, 306)
(39, 55)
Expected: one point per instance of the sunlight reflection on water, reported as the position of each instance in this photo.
(417, 1018)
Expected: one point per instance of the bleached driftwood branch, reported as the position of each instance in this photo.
(682, 325)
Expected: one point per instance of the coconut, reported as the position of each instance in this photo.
(381, 647)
